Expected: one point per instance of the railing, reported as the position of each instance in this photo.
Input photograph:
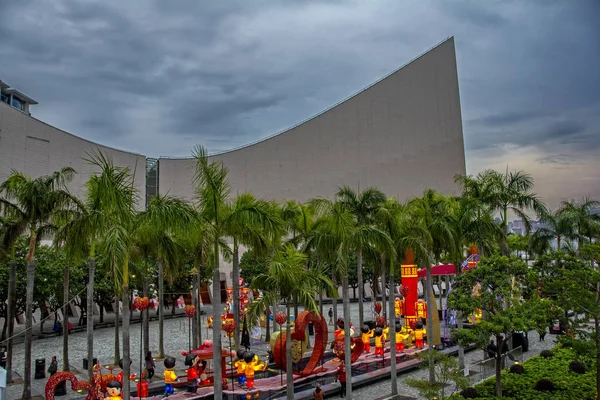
(480, 371)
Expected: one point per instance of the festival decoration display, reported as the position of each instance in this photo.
(95, 389)
(141, 304)
(408, 289)
(190, 311)
(397, 307)
(209, 322)
(421, 309)
(378, 308)
(280, 318)
(380, 321)
(299, 337)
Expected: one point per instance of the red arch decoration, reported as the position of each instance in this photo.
(300, 326)
(93, 391)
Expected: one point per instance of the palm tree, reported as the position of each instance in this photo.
(434, 212)
(11, 230)
(579, 214)
(511, 191)
(213, 192)
(405, 233)
(556, 226)
(288, 279)
(362, 206)
(250, 222)
(35, 201)
(155, 230)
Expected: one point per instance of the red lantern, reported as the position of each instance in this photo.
(190, 311)
(380, 321)
(421, 309)
(280, 318)
(378, 307)
(229, 326)
(141, 303)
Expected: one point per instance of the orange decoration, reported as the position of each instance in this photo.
(190, 311)
(280, 318)
(229, 326)
(421, 309)
(141, 303)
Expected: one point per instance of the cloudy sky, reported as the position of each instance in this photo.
(157, 77)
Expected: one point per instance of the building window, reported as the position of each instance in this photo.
(5, 98)
(16, 103)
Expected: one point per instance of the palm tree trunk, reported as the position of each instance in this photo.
(361, 288)
(236, 293)
(126, 349)
(10, 315)
(194, 321)
(334, 299)
(347, 338)
(29, 319)
(146, 320)
(117, 342)
(198, 310)
(428, 290)
(90, 318)
(216, 300)
(289, 372)
(65, 326)
(392, 314)
(383, 295)
(161, 321)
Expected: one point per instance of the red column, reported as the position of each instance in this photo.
(408, 272)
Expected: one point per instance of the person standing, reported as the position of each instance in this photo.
(330, 313)
(319, 393)
(53, 366)
(150, 365)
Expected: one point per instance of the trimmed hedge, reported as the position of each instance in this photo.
(567, 385)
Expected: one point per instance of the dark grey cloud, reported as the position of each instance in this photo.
(157, 77)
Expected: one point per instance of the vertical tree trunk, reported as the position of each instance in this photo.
(334, 299)
(117, 341)
(28, 325)
(146, 320)
(321, 302)
(289, 372)
(216, 300)
(347, 338)
(392, 299)
(236, 293)
(90, 318)
(383, 294)
(267, 326)
(194, 319)
(361, 288)
(65, 326)
(10, 315)
(597, 340)
(499, 344)
(126, 343)
(161, 310)
(428, 290)
(198, 310)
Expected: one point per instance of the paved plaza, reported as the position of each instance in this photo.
(176, 340)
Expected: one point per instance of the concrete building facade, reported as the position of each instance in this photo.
(402, 134)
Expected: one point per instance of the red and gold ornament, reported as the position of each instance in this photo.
(190, 311)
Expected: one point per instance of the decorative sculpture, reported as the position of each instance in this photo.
(379, 341)
(366, 336)
(191, 360)
(170, 375)
(113, 389)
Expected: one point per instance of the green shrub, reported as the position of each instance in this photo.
(544, 385)
(568, 385)
(469, 393)
(517, 369)
(547, 354)
(577, 367)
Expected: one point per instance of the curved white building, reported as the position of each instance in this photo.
(402, 134)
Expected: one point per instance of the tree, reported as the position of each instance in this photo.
(251, 266)
(579, 215)
(511, 191)
(34, 202)
(555, 227)
(212, 190)
(572, 285)
(434, 213)
(447, 373)
(287, 279)
(489, 287)
(362, 206)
